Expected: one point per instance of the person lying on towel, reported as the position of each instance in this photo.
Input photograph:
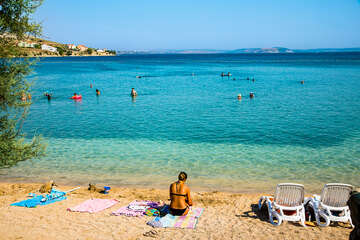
(180, 196)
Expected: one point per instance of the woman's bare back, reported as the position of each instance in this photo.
(180, 195)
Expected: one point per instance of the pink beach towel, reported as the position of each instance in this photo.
(94, 205)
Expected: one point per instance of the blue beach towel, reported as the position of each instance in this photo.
(53, 196)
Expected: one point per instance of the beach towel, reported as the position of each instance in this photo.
(135, 208)
(35, 200)
(170, 221)
(127, 212)
(94, 205)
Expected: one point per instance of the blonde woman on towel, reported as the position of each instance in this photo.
(180, 196)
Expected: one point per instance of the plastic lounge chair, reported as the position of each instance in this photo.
(286, 205)
(332, 204)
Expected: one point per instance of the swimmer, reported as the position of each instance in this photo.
(222, 74)
(97, 92)
(247, 78)
(228, 74)
(76, 96)
(302, 82)
(251, 95)
(138, 76)
(133, 93)
(48, 95)
(253, 80)
(239, 96)
(90, 85)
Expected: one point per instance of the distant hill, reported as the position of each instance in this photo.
(37, 47)
(321, 50)
(272, 50)
(262, 50)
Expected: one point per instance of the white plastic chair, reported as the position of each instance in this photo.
(332, 204)
(286, 205)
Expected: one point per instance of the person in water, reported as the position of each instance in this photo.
(48, 95)
(133, 92)
(180, 196)
(76, 96)
(97, 92)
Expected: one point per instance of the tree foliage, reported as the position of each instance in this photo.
(89, 50)
(16, 25)
(61, 50)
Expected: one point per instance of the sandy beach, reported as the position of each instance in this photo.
(226, 216)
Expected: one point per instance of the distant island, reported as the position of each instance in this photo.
(36, 47)
(272, 50)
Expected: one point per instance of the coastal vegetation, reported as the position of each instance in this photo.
(15, 96)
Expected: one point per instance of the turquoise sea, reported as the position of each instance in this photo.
(188, 118)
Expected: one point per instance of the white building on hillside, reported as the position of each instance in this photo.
(48, 48)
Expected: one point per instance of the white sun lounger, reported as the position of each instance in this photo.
(332, 204)
(286, 205)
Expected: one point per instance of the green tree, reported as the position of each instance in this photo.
(60, 50)
(16, 25)
(89, 50)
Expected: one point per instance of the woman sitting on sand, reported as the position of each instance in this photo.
(180, 196)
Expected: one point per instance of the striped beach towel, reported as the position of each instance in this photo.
(170, 221)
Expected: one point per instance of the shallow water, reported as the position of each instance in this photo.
(187, 117)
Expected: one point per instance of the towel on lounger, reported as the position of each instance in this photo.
(169, 221)
(94, 205)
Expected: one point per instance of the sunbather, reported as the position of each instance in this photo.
(180, 196)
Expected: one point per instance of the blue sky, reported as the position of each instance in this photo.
(200, 24)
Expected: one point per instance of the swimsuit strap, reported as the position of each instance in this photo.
(178, 194)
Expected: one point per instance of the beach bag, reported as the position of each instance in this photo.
(309, 213)
(152, 212)
(164, 210)
(354, 206)
(263, 212)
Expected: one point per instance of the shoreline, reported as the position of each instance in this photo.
(239, 187)
(233, 212)
(69, 56)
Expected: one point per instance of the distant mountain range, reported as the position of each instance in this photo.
(241, 50)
